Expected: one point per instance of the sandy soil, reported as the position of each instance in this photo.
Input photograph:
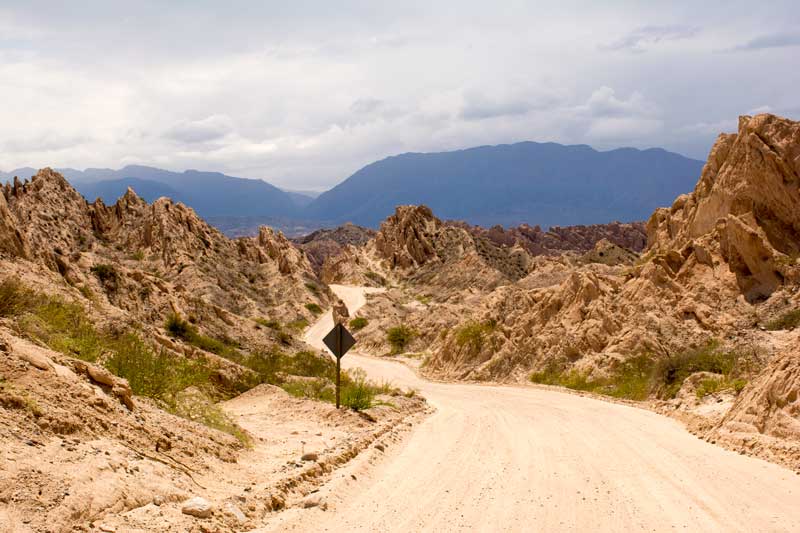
(503, 458)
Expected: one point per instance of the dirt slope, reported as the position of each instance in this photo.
(521, 458)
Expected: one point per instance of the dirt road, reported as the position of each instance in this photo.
(496, 458)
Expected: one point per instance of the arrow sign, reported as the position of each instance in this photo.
(339, 341)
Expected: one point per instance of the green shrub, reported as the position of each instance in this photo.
(377, 278)
(271, 324)
(472, 335)
(138, 255)
(64, 327)
(155, 374)
(179, 328)
(639, 377)
(298, 325)
(15, 298)
(314, 308)
(107, 274)
(313, 288)
(716, 384)
(788, 320)
(310, 364)
(315, 389)
(358, 322)
(358, 394)
(673, 371)
(399, 337)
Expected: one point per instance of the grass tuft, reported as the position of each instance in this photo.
(400, 337)
(358, 323)
(314, 308)
(639, 377)
(788, 320)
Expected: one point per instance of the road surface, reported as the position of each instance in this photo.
(503, 458)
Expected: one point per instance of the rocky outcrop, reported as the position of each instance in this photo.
(608, 253)
(406, 239)
(558, 240)
(325, 243)
(718, 258)
(151, 260)
(744, 206)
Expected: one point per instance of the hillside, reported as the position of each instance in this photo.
(547, 184)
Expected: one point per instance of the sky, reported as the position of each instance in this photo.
(304, 93)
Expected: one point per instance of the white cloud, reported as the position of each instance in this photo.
(640, 39)
(304, 95)
(211, 128)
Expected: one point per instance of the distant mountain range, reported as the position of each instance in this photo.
(537, 183)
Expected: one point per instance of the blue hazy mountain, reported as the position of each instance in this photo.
(537, 183)
(110, 190)
(209, 193)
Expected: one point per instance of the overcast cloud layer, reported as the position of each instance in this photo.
(304, 93)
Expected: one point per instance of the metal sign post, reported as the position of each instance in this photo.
(339, 341)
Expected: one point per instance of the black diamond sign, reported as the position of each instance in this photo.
(339, 340)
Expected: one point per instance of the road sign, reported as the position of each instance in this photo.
(339, 341)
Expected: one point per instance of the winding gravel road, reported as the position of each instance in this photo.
(504, 458)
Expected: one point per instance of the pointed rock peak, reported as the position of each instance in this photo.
(131, 198)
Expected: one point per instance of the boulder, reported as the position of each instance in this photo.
(198, 507)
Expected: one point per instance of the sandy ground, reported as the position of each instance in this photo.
(503, 458)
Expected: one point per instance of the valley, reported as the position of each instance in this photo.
(158, 375)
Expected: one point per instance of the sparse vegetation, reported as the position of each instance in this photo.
(472, 335)
(400, 337)
(63, 326)
(358, 393)
(313, 288)
(155, 374)
(298, 325)
(358, 322)
(195, 405)
(107, 274)
(670, 373)
(423, 299)
(377, 278)
(314, 308)
(712, 385)
(138, 255)
(789, 320)
(182, 329)
(15, 298)
(642, 376)
(268, 323)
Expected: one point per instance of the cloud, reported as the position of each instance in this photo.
(365, 106)
(207, 129)
(774, 40)
(483, 109)
(640, 39)
(603, 102)
(303, 94)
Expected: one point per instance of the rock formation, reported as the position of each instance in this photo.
(325, 243)
(151, 260)
(558, 240)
